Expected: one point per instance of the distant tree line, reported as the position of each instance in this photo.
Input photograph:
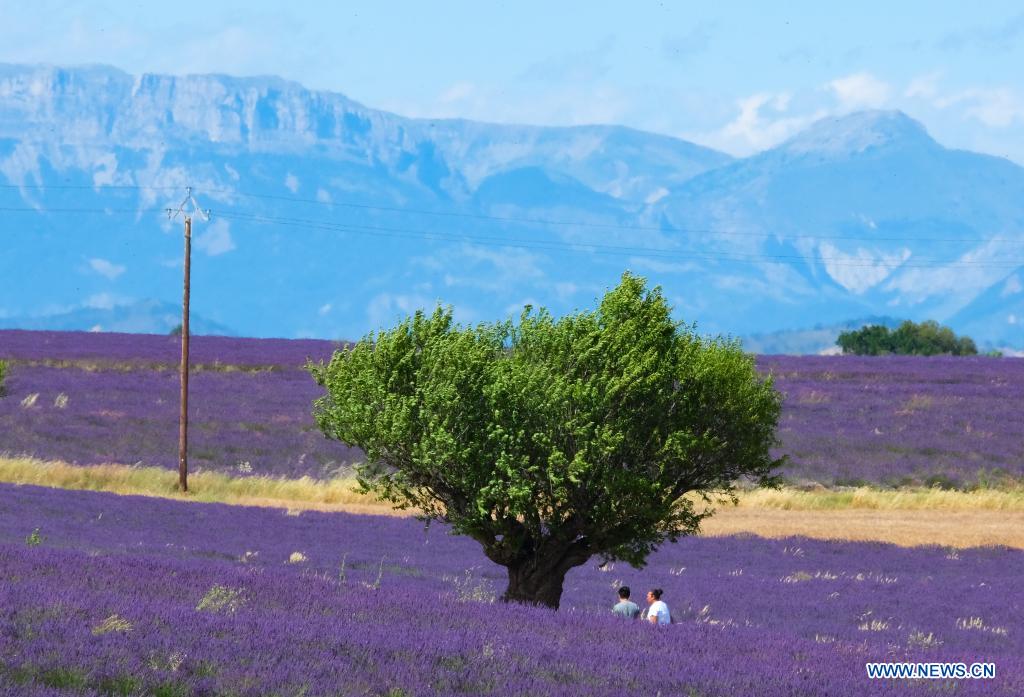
(928, 338)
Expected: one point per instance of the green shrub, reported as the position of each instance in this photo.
(910, 338)
(34, 539)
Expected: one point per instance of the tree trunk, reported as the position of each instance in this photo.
(527, 583)
(539, 580)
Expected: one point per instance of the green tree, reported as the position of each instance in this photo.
(872, 340)
(553, 441)
(3, 377)
(928, 338)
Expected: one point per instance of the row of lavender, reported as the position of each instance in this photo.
(97, 398)
(901, 419)
(126, 595)
(91, 398)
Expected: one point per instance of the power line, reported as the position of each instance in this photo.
(569, 223)
(552, 245)
(524, 221)
(107, 211)
(91, 187)
(548, 245)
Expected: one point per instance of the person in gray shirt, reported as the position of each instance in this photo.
(626, 607)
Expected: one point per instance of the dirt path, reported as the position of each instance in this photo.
(902, 527)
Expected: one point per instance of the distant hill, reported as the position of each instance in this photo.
(147, 317)
(332, 219)
(857, 216)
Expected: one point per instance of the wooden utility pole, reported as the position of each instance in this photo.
(183, 415)
(183, 418)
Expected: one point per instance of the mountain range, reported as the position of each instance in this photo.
(332, 219)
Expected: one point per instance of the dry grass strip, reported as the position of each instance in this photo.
(304, 493)
(905, 527)
(904, 517)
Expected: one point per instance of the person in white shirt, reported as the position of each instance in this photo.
(657, 612)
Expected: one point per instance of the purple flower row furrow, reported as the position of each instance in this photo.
(889, 420)
(900, 418)
(756, 616)
(240, 421)
(157, 348)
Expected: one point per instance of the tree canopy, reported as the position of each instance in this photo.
(552, 441)
(910, 338)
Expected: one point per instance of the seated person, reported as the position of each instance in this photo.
(626, 607)
(657, 612)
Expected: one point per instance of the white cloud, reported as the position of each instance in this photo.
(565, 290)
(456, 93)
(648, 264)
(324, 309)
(106, 170)
(322, 196)
(384, 309)
(574, 68)
(1012, 286)
(494, 270)
(291, 182)
(656, 195)
(103, 301)
(106, 268)
(761, 123)
(516, 309)
(518, 263)
(923, 86)
(997, 108)
(570, 103)
(860, 91)
(216, 238)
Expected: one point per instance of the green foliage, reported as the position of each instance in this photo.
(910, 338)
(121, 686)
(550, 441)
(172, 689)
(34, 539)
(4, 367)
(221, 599)
(61, 677)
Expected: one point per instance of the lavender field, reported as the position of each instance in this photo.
(95, 398)
(103, 594)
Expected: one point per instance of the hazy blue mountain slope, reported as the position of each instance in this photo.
(865, 208)
(146, 317)
(997, 315)
(332, 219)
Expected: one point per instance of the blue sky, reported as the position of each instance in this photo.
(735, 76)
